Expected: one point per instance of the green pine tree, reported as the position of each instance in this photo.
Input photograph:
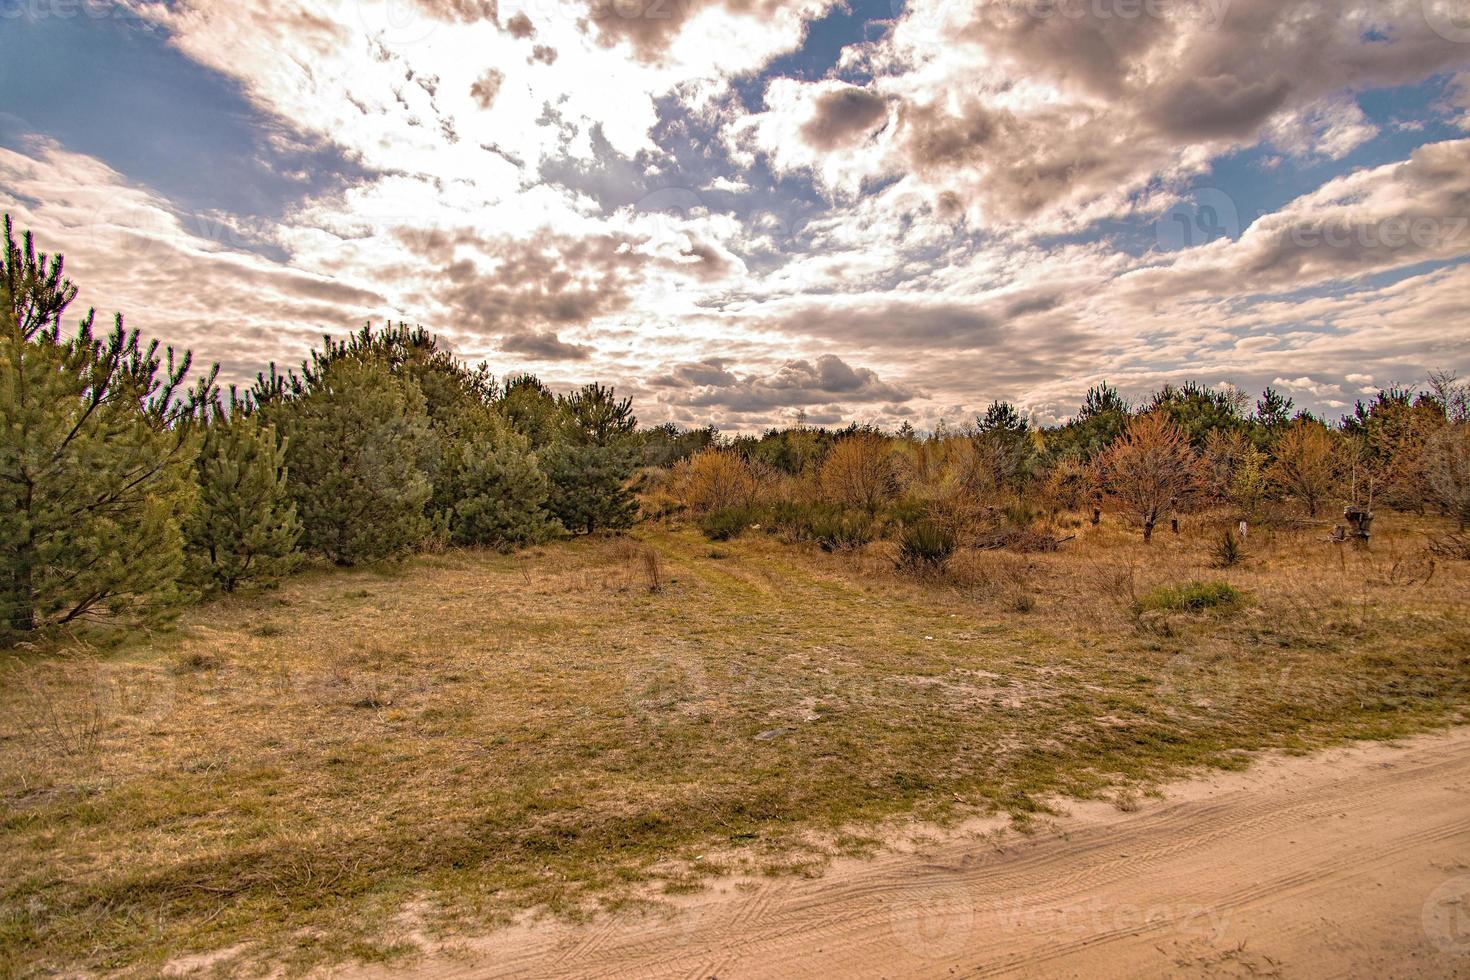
(243, 530)
(592, 460)
(356, 438)
(493, 490)
(94, 461)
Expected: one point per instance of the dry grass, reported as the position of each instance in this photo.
(363, 758)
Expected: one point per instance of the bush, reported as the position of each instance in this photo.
(354, 445)
(494, 491)
(842, 530)
(715, 480)
(925, 546)
(1194, 597)
(1228, 551)
(860, 472)
(830, 526)
(722, 525)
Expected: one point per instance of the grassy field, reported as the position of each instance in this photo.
(327, 771)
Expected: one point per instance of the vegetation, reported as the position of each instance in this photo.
(368, 756)
(429, 737)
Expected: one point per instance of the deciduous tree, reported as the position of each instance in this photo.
(1150, 469)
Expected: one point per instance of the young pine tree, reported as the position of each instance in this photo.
(492, 489)
(243, 530)
(355, 438)
(592, 460)
(94, 465)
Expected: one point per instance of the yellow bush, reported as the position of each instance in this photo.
(715, 479)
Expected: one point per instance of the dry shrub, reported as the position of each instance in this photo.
(714, 480)
(1308, 464)
(1447, 470)
(860, 472)
(1452, 547)
(640, 566)
(1069, 484)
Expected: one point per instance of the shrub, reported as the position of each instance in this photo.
(860, 472)
(1447, 470)
(722, 525)
(832, 527)
(1194, 597)
(494, 491)
(925, 546)
(1307, 465)
(1150, 468)
(1228, 552)
(843, 531)
(354, 442)
(715, 480)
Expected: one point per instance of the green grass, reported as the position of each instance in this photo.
(1193, 597)
(326, 772)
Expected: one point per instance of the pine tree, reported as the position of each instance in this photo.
(493, 491)
(94, 465)
(592, 460)
(355, 441)
(243, 530)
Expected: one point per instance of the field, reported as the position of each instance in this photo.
(360, 758)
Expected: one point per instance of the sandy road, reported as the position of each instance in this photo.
(1353, 862)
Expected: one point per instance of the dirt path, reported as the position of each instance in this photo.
(1354, 862)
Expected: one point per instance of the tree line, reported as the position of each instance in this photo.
(1185, 448)
(126, 490)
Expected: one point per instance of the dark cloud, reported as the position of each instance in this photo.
(525, 285)
(649, 27)
(710, 261)
(839, 118)
(797, 384)
(916, 322)
(709, 372)
(462, 11)
(487, 87)
(520, 26)
(544, 346)
(1222, 107)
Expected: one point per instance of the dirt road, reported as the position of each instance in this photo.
(1354, 862)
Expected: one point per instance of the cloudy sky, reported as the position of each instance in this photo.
(736, 210)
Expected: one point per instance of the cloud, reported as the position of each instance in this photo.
(487, 87)
(841, 116)
(520, 26)
(543, 346)
(797, 384)
(709, 372)
(1061, 114)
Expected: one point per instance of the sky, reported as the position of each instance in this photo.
(738, 211)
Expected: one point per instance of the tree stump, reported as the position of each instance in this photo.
(1359, 526)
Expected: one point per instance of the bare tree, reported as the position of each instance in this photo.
(1308, 465)
(1150, 468)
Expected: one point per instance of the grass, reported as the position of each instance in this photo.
(1194, 597)
(364, 758)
